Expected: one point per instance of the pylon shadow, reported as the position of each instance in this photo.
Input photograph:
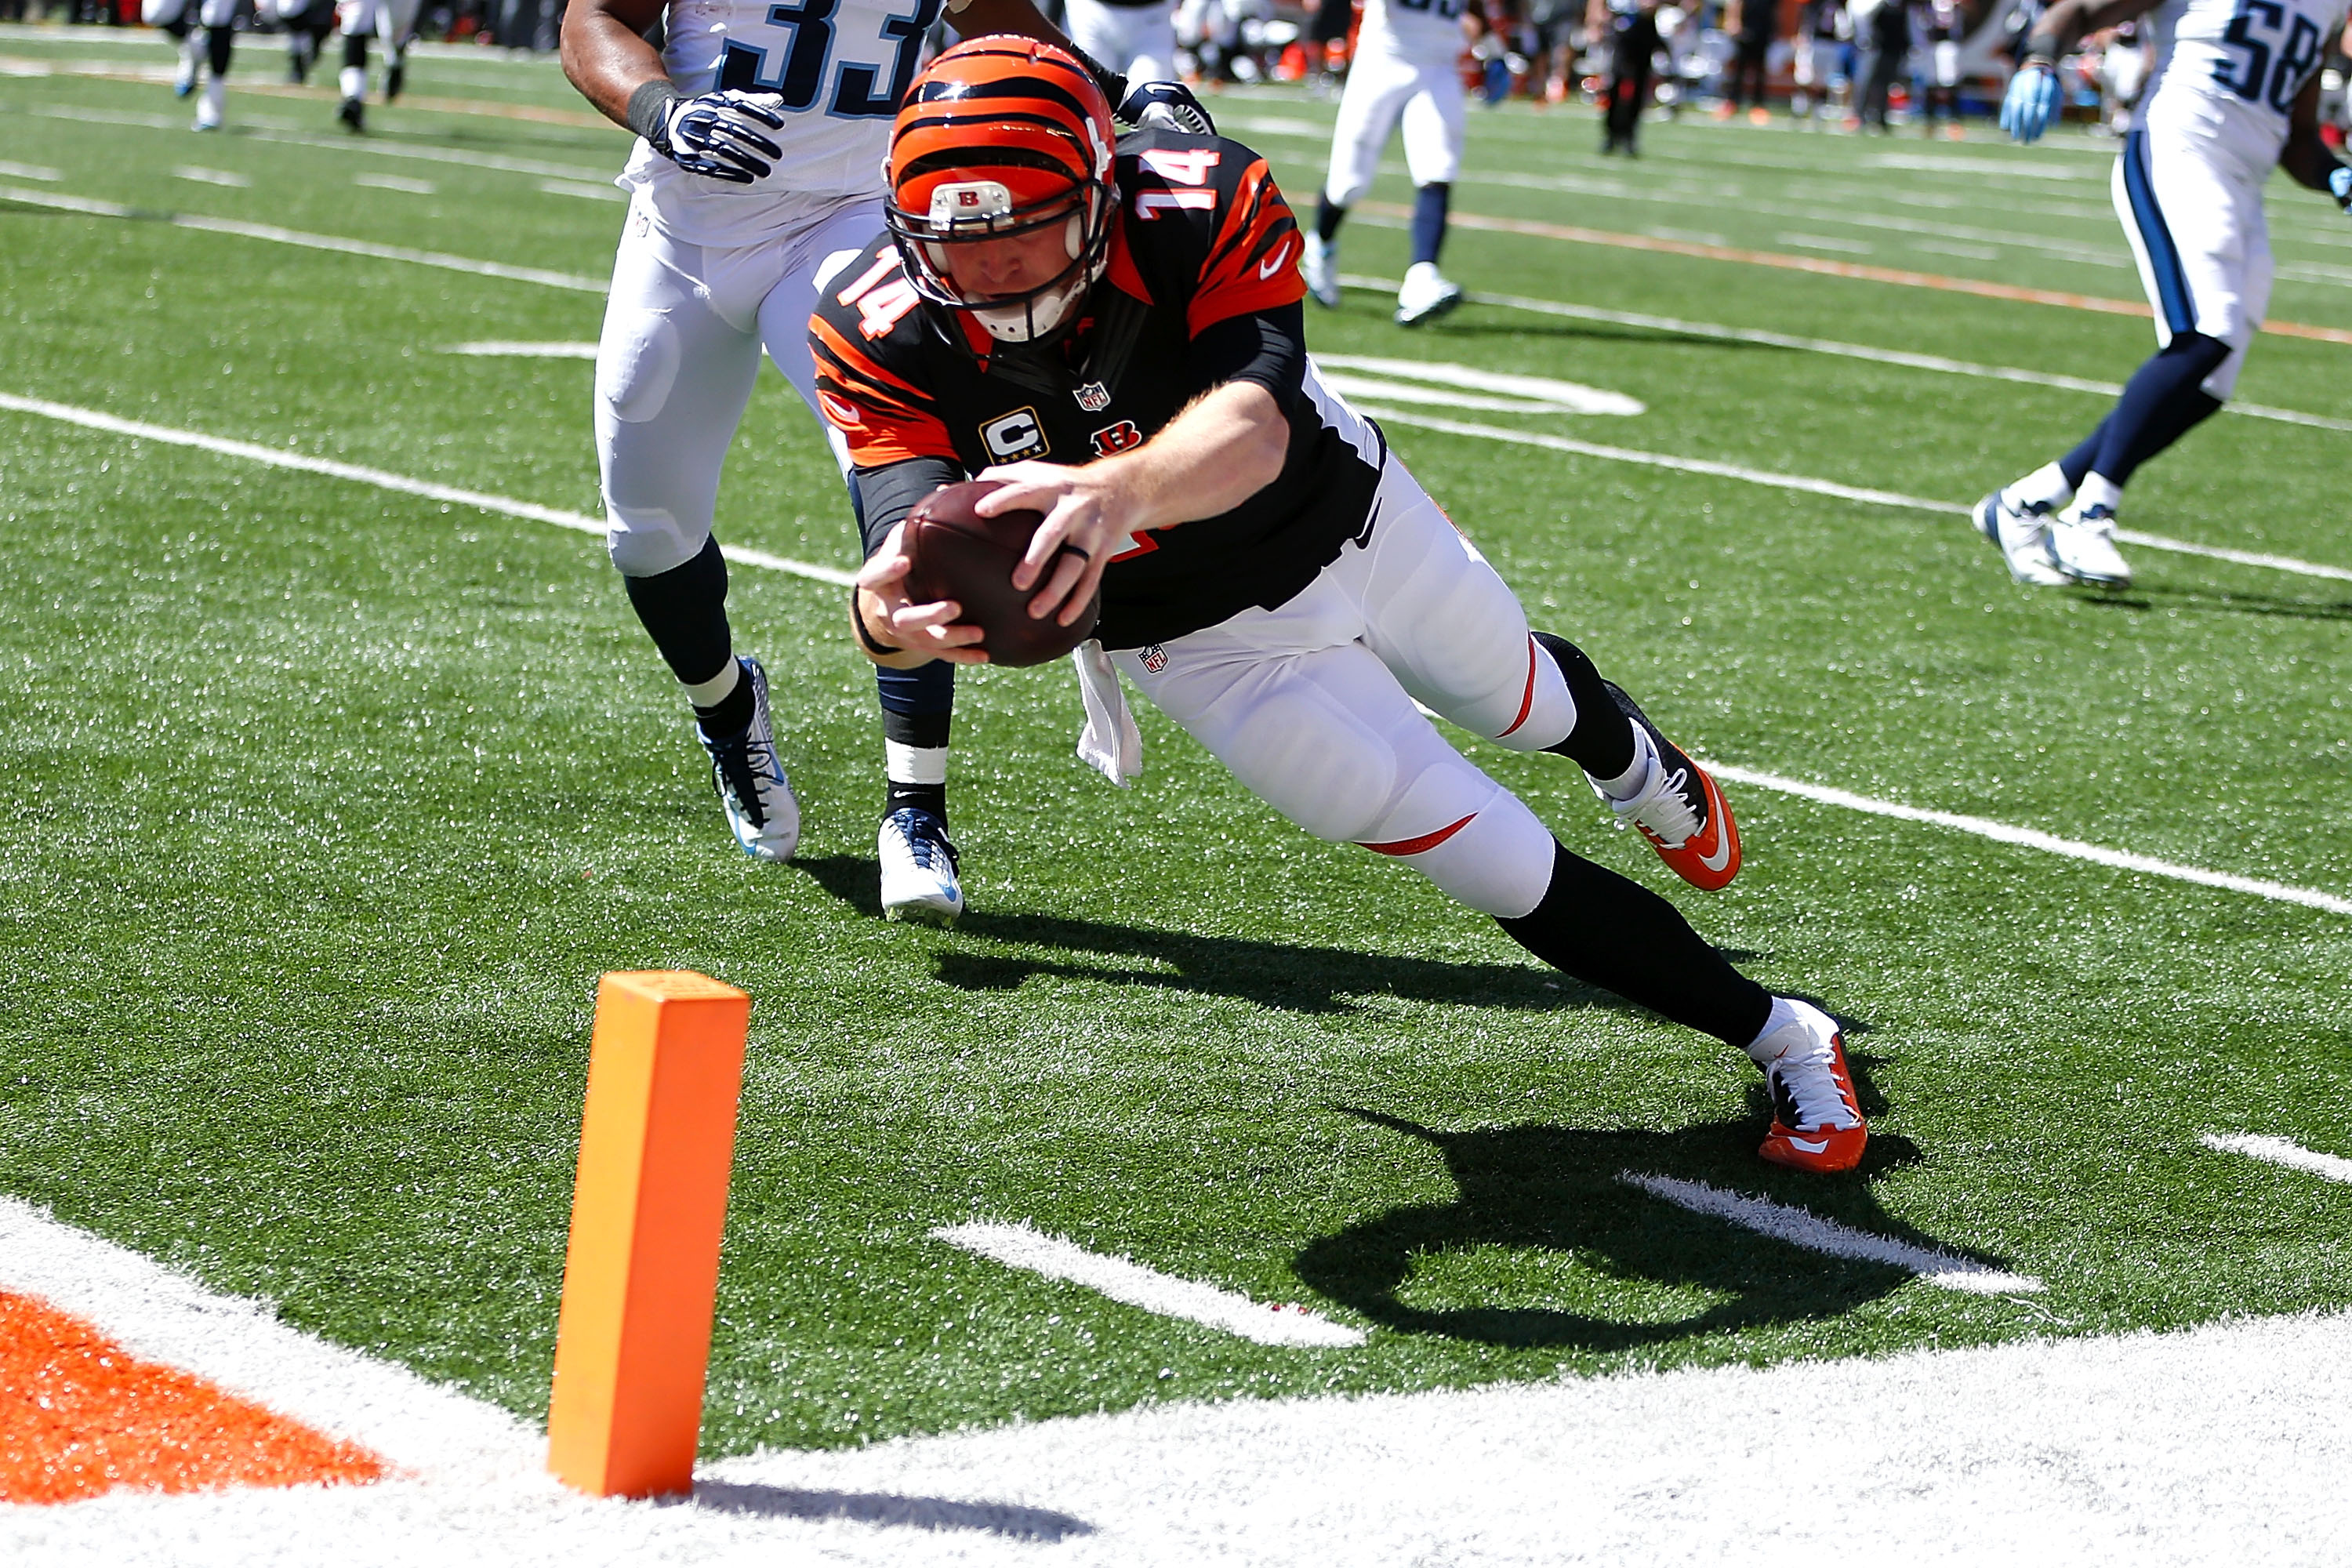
(1011, 1520)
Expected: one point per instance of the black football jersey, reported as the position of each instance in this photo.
(1202, 237)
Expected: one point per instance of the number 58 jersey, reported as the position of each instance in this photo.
(2227, 72)
(840, 67)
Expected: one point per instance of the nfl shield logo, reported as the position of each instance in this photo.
(1094, 397)
(1155, 658)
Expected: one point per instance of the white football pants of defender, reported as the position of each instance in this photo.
(1311, 705)
(392, 22)
(2196, 227)
(1380, 87)
(682, 331)
(1136, 41)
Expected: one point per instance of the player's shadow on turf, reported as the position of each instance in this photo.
(1293, 978)
(1559, 1190)
(2149, 596)
(1011, 1520)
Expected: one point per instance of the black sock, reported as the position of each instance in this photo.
(1602, 741)
(932, 798)
(1429, 204)
(731, 715)
(1617, 934)
(684, 610)
(2160, 403)
(355, 50)
(1329, 216)
(218, 43)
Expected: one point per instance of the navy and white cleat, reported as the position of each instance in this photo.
(2022, 537)
(2082, 543)
(750, 782)
(1425, 295)
(919, 869)
(1318, 268)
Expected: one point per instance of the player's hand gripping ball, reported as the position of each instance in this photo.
(953, 552)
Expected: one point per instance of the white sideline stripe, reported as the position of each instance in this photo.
(2281, 1151)
(1830, 487)
(91, 418)
(308, 241)
(1799, 1227)
(1842, 350)
(428, 1431)
(1122, 1279)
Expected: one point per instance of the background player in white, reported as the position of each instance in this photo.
(394, 21)
(1136, 38)
(762, 129)
(1403, 67)
(205, 33)
(2235, 94)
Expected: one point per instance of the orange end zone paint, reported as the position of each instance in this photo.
(80, 1415)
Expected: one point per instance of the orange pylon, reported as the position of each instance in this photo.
(657, 1141)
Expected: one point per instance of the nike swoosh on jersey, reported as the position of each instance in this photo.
(1267, 269)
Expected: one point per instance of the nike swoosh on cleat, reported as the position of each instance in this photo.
(1275, 261)
(1722, 856)
(1819, 1148)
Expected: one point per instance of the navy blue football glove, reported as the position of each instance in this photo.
(718, 135)
(2031, 103)
(1165, 106)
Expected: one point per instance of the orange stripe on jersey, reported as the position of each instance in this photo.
(1254, 263)
(853, 357)
(1122, 273)
(80, 1415)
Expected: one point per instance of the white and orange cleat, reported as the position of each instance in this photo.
(1816, 1120)
(1676, 806)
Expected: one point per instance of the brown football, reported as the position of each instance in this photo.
(956, 553)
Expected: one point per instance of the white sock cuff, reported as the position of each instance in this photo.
(711, 693)
(909, 764)
(2099, 490)
(2045, 486)
(1630, 782)
(1781, 1015)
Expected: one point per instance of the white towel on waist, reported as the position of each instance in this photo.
(1109, 743)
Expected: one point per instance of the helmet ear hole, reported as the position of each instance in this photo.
(1074, 235)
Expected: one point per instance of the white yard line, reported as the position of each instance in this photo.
(1800, 1228)
(1122, 1279)
(89, 208)
(227, 177)
(1909, 361)
(578, 522)
(28, 172)
(2034, 838)
(395, 182)
(599, 191)
(373, 147)
(2280, 1151)
(91, 418)
(524, 351)
(1830, 487)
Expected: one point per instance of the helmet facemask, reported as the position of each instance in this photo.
(981, 210)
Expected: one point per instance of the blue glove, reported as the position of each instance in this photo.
(2031, 103)
(2339, 185)
(1165, 106)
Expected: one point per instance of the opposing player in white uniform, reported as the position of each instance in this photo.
(2235, 94)
(205, 33)
(762, 129)
(392, 21)
(1404, 66)
(1137, 38)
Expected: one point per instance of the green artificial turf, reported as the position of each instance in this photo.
(331, 804)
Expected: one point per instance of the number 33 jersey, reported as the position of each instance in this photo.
(2227, 72)
(840, 67)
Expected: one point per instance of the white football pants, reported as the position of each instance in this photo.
(1311, 705)
(1136, 41)
(390, 20)
(2195, 221)
(1382, 87)
(680, 352)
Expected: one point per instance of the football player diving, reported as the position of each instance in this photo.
(2235, 93)
(761, 134)
(1115, 331)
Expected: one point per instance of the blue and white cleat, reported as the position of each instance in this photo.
(919, 869)
(2022, 537)
(752, 786)
(2082, 543)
